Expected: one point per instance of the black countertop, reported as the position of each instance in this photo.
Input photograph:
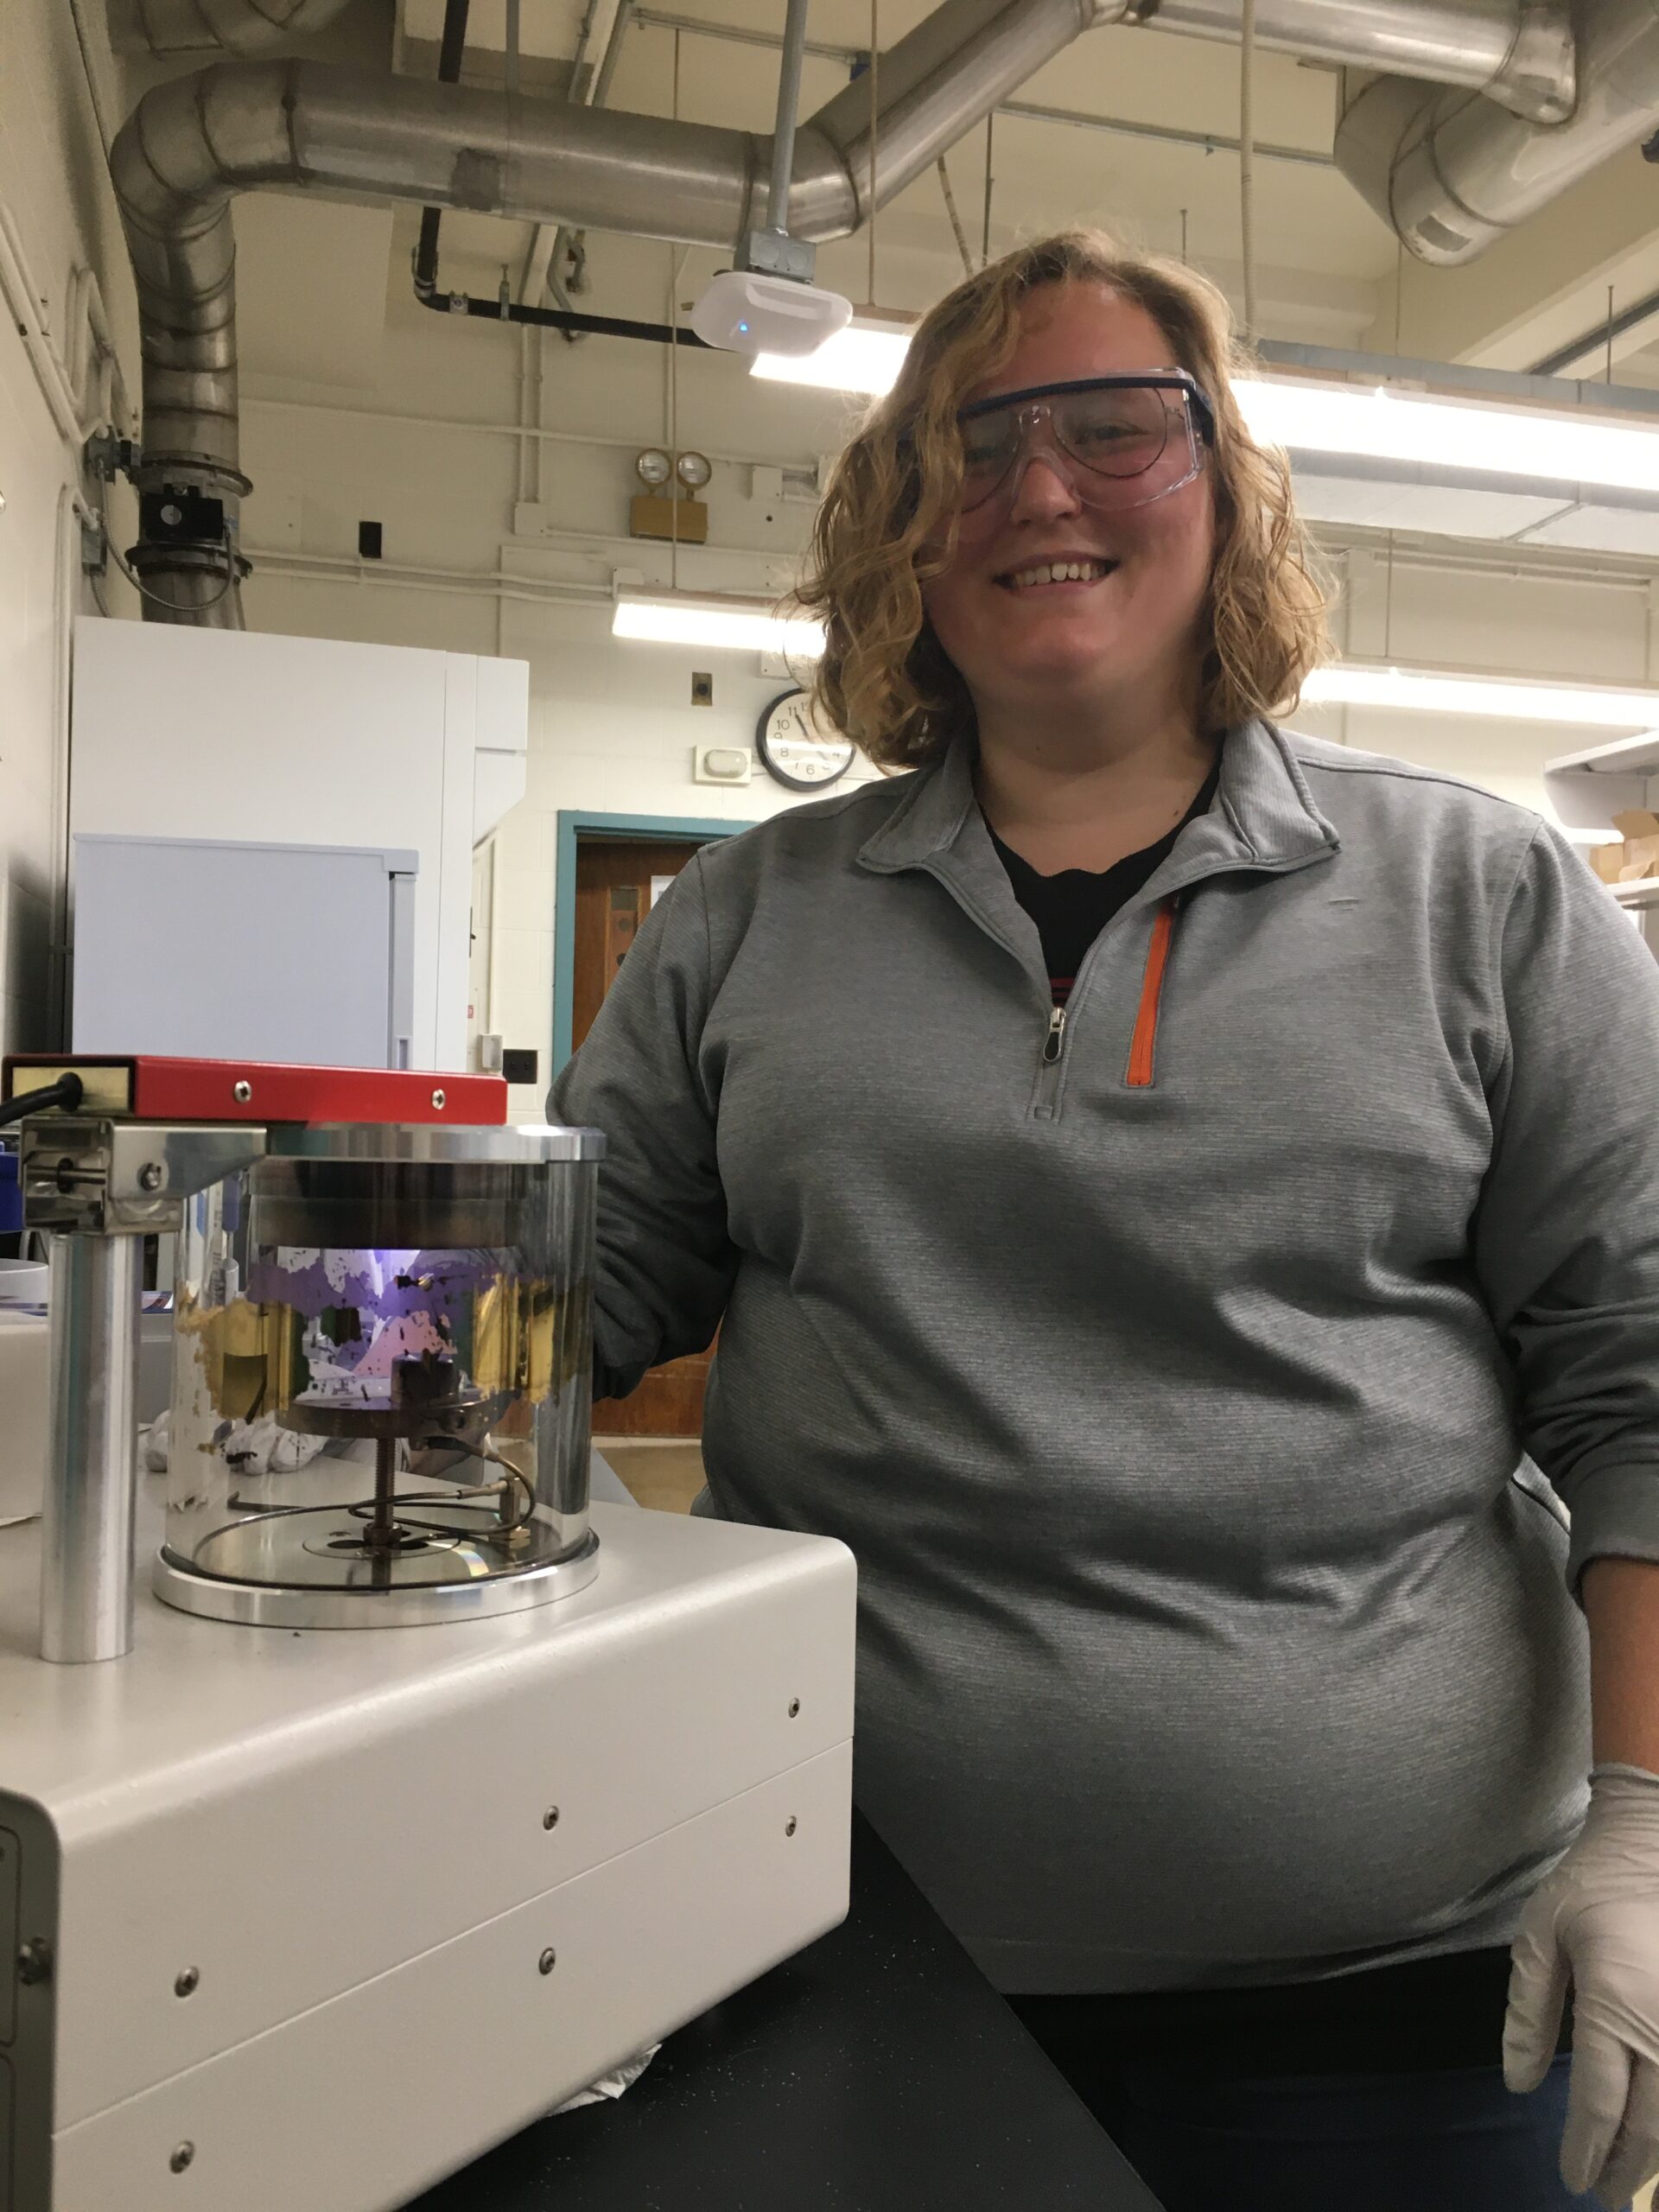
(875, 2072)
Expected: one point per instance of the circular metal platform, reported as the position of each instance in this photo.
(455, 1577)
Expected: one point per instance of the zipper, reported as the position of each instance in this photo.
(1140, 1073)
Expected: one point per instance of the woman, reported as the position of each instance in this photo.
(1161, 1177)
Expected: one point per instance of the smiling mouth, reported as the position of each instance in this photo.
(1042, 574)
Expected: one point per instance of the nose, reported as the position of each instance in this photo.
(1045, 491)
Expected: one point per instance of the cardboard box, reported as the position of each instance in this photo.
(1638, 857)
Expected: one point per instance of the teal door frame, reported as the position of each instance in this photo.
(577, 823)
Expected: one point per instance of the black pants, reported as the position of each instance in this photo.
(1452, 2141)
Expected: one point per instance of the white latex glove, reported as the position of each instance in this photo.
(1594, 1922)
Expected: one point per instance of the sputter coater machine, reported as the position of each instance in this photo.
(291, 1917)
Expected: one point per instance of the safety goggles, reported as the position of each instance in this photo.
(1119, 441)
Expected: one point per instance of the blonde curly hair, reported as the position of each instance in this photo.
(888, 522)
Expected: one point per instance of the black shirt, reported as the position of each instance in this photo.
(1429, 2014)
(1070, 909)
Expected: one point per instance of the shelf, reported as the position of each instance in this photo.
(1625, 756)
(1640, 895)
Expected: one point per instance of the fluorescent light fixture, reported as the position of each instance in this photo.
(727, 623)
(1507, 440)
(865, 357)
(1430, 691)
(1373, 421)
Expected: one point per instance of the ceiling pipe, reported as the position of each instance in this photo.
(1450, 176)
(1519, 53)
(178, 27)
(193, 144)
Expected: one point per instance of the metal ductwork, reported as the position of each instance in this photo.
(191, 145)
(176, 28)
(1519, 53)
(1451, 175)
(1450, 170)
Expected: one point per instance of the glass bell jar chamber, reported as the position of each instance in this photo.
(381, 1393)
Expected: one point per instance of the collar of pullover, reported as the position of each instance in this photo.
(1264, 817)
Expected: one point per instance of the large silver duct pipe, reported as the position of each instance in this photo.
(176, 28)
(1451, 175)
(191, 145)
(1519, 53)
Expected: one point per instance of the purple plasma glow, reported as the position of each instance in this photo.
(409, 1302)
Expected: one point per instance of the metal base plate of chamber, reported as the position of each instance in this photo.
(309, 1579)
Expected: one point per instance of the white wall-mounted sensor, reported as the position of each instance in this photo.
(722, 763)
(744, 312)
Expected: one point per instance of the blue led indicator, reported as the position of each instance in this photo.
(743, 327)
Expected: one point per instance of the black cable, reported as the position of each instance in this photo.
(451, 46)
(67, 1092)
(599, 325)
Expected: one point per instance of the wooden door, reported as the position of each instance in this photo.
(614, 888)
(617, 880)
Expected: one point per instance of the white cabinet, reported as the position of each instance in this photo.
(234, 735)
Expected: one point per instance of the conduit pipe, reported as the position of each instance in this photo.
(192, 144)
(80, 393)
(1451, 175)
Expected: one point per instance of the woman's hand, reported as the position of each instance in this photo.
(1594, 1923)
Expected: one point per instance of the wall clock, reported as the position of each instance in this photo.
(802, 752)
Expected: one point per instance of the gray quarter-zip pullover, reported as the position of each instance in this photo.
(1181, 1378)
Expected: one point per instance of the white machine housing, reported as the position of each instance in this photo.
(309, 1919)
(197, 947)
(220, 735)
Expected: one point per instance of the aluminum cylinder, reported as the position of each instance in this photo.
(91, 1451)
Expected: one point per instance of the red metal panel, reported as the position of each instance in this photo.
(251, 1090)
(208, 1090)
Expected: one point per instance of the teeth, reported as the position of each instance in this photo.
(1059, 572)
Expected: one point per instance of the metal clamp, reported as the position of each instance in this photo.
(87, 1175)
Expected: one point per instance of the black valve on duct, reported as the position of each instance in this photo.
(176, 515)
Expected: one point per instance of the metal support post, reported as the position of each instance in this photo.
(789, 100)
(87, 1517)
